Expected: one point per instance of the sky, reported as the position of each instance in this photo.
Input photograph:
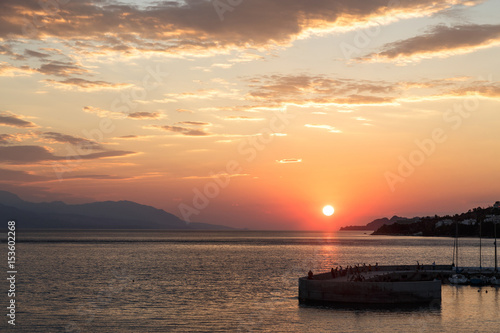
(253, 113)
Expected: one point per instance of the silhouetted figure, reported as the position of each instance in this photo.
(310, 275)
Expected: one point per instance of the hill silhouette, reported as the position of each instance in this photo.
(95, 215)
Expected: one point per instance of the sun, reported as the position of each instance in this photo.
(328, 210)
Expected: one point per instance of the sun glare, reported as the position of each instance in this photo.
(328, 210)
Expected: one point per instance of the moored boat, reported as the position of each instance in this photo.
(478, 280)
(458, 279)
(495, 281)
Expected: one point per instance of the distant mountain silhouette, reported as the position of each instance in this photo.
(95, 215)
(376, 224)
(473, 223)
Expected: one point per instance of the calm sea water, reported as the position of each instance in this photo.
(144, 281)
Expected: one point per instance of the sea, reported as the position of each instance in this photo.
(226, 281)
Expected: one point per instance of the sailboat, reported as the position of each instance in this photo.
(495, 280)
(457, 278)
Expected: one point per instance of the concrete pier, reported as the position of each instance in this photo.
(384, 285)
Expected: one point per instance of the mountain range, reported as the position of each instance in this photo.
(94, 215)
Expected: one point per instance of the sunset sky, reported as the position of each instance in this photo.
(253, 113)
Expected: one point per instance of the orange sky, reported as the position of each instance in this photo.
(253, 114)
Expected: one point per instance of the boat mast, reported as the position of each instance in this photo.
(495, 231)
(456, 244)
(480, 239)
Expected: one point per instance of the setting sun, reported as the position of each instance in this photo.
(328, 210)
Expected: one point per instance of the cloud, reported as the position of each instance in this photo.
(195, 26)
(103, 113)
(75, 141)
(8, 119)
(131, 136)
(440, 41)
(19, 176)
(33, 154)
(480, 88)
(68, 176)
(289, 160)
(222, 174)
(319, 91)
(134, 137)
(183, 130)
(85, 85)
(65, 69)
(144, 115)
(35, 54)
(5, 139)
(195, 123)
(6, 50)
(243, 118)
(184, 110)
(327, 127)
(200, 94)
(9, 70)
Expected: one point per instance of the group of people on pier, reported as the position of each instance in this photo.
(353, 270)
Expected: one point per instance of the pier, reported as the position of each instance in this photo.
(392, 284)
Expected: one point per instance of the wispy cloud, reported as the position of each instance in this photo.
(65, 69)
(85, 85)
(440, 41)
(33, 154)
(327, 127)
(144, 115)
(12, 120)
(184, 111)
(182, 130)
(194, 123)
(9, 70)
(5, 139)
(289, 160)
(243, 118)
(102, 113)
(75, 141)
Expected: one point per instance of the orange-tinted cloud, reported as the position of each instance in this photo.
(485, 89)
(33, 154)
(319, 90)
(72, 140)
(193, 26)
(289, 160)
(144, 115)
(85, 85)
(5, 139)
(9, 70)
(440, 41)
(8, 119)
(59, 68)
(183, 130)
(327, 127)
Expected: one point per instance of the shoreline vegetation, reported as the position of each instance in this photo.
(473, 223)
